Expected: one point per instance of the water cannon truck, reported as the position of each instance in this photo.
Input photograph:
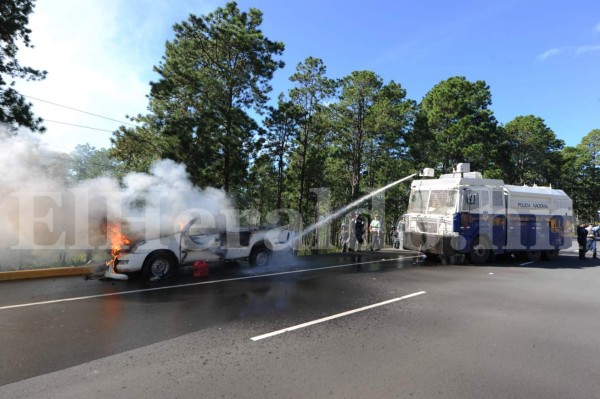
(462, 214)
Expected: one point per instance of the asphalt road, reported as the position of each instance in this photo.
(381, 325)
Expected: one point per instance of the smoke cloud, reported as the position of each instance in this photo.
(42, 209)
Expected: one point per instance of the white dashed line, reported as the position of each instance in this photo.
(335, 316)
(526, 263)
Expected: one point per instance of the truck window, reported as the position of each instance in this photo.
(442, 202)
(471, 200)
(418, 201)
(484, 197)
(497, 197)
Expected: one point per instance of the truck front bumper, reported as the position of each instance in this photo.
(434, 244)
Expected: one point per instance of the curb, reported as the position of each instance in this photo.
(50, 272)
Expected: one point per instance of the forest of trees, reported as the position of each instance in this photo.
(212, 110)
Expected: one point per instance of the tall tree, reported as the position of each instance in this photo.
(582, 174)
(573, 179)
(15, 111)
(535, 151)
(311, 89)
(261, 188)
(282, 127)
(216, 69)
(88, 162)
(354, 123)
(371, 123)
(456, 125)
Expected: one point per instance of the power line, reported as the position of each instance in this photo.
(86, 127)
(78, 110)
(69, 158)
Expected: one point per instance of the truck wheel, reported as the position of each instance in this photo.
(550, 255)
(534, 256)
(479, 252)
(157, 266)
(521, 256)
(260, 256)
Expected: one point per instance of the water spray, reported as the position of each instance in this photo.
(427, 172)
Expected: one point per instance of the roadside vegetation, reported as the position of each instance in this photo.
(213, 110)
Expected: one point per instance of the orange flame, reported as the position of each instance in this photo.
(117, 241)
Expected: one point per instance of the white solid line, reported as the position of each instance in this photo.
(335, 316)
(526, 263)
(198, 283)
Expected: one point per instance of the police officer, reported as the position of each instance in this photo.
(582, 240)
(357, 232)
(344, 236)
(375, 230)
(592, 236)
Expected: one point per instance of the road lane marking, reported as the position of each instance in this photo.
(335, 316)
(526, 263)
(199, 283)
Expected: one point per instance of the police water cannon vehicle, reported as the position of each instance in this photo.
(462, 213)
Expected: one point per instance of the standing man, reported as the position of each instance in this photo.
(344, 236)
(591, 241)
(582, 240)
(375, 230)
(596, 237)
(358, 229)
(352, 232)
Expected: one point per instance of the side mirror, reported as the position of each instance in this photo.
(427, 172)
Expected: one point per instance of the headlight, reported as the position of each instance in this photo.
(133, 247)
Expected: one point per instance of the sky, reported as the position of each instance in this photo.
(539, 57)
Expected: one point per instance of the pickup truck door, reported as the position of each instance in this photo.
(199, 243)
(236, 243)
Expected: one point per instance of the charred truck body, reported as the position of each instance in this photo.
(463, 214)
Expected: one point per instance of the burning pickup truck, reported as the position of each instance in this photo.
(161, 257)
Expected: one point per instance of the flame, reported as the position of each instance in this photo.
(117, 241)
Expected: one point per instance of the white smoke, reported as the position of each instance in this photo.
(41, 210)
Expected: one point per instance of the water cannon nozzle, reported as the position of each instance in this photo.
(427, 172)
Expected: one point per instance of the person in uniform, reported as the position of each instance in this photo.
(593, 237)
(344, 237)
(582, 240)
(357, 231)
(375, 230)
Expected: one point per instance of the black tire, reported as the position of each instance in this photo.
(534, 256)
(521, 256)
(431, 257)
(158, 265)
(479, 252)
(260, 256)
(550, 255)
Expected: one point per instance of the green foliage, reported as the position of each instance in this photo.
(351, 136)
(216, 69)
(261, 187)
(312, 88)
(455, 125)
(369, 124)
(282, 125)
(581, 175)
(535, 151)
(87, 162)
(14, 110)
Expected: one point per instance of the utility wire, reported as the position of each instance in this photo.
(70, 159)
(71, 124)
(78, 110)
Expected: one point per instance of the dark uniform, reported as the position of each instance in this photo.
(359, 227)
(582, 234)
